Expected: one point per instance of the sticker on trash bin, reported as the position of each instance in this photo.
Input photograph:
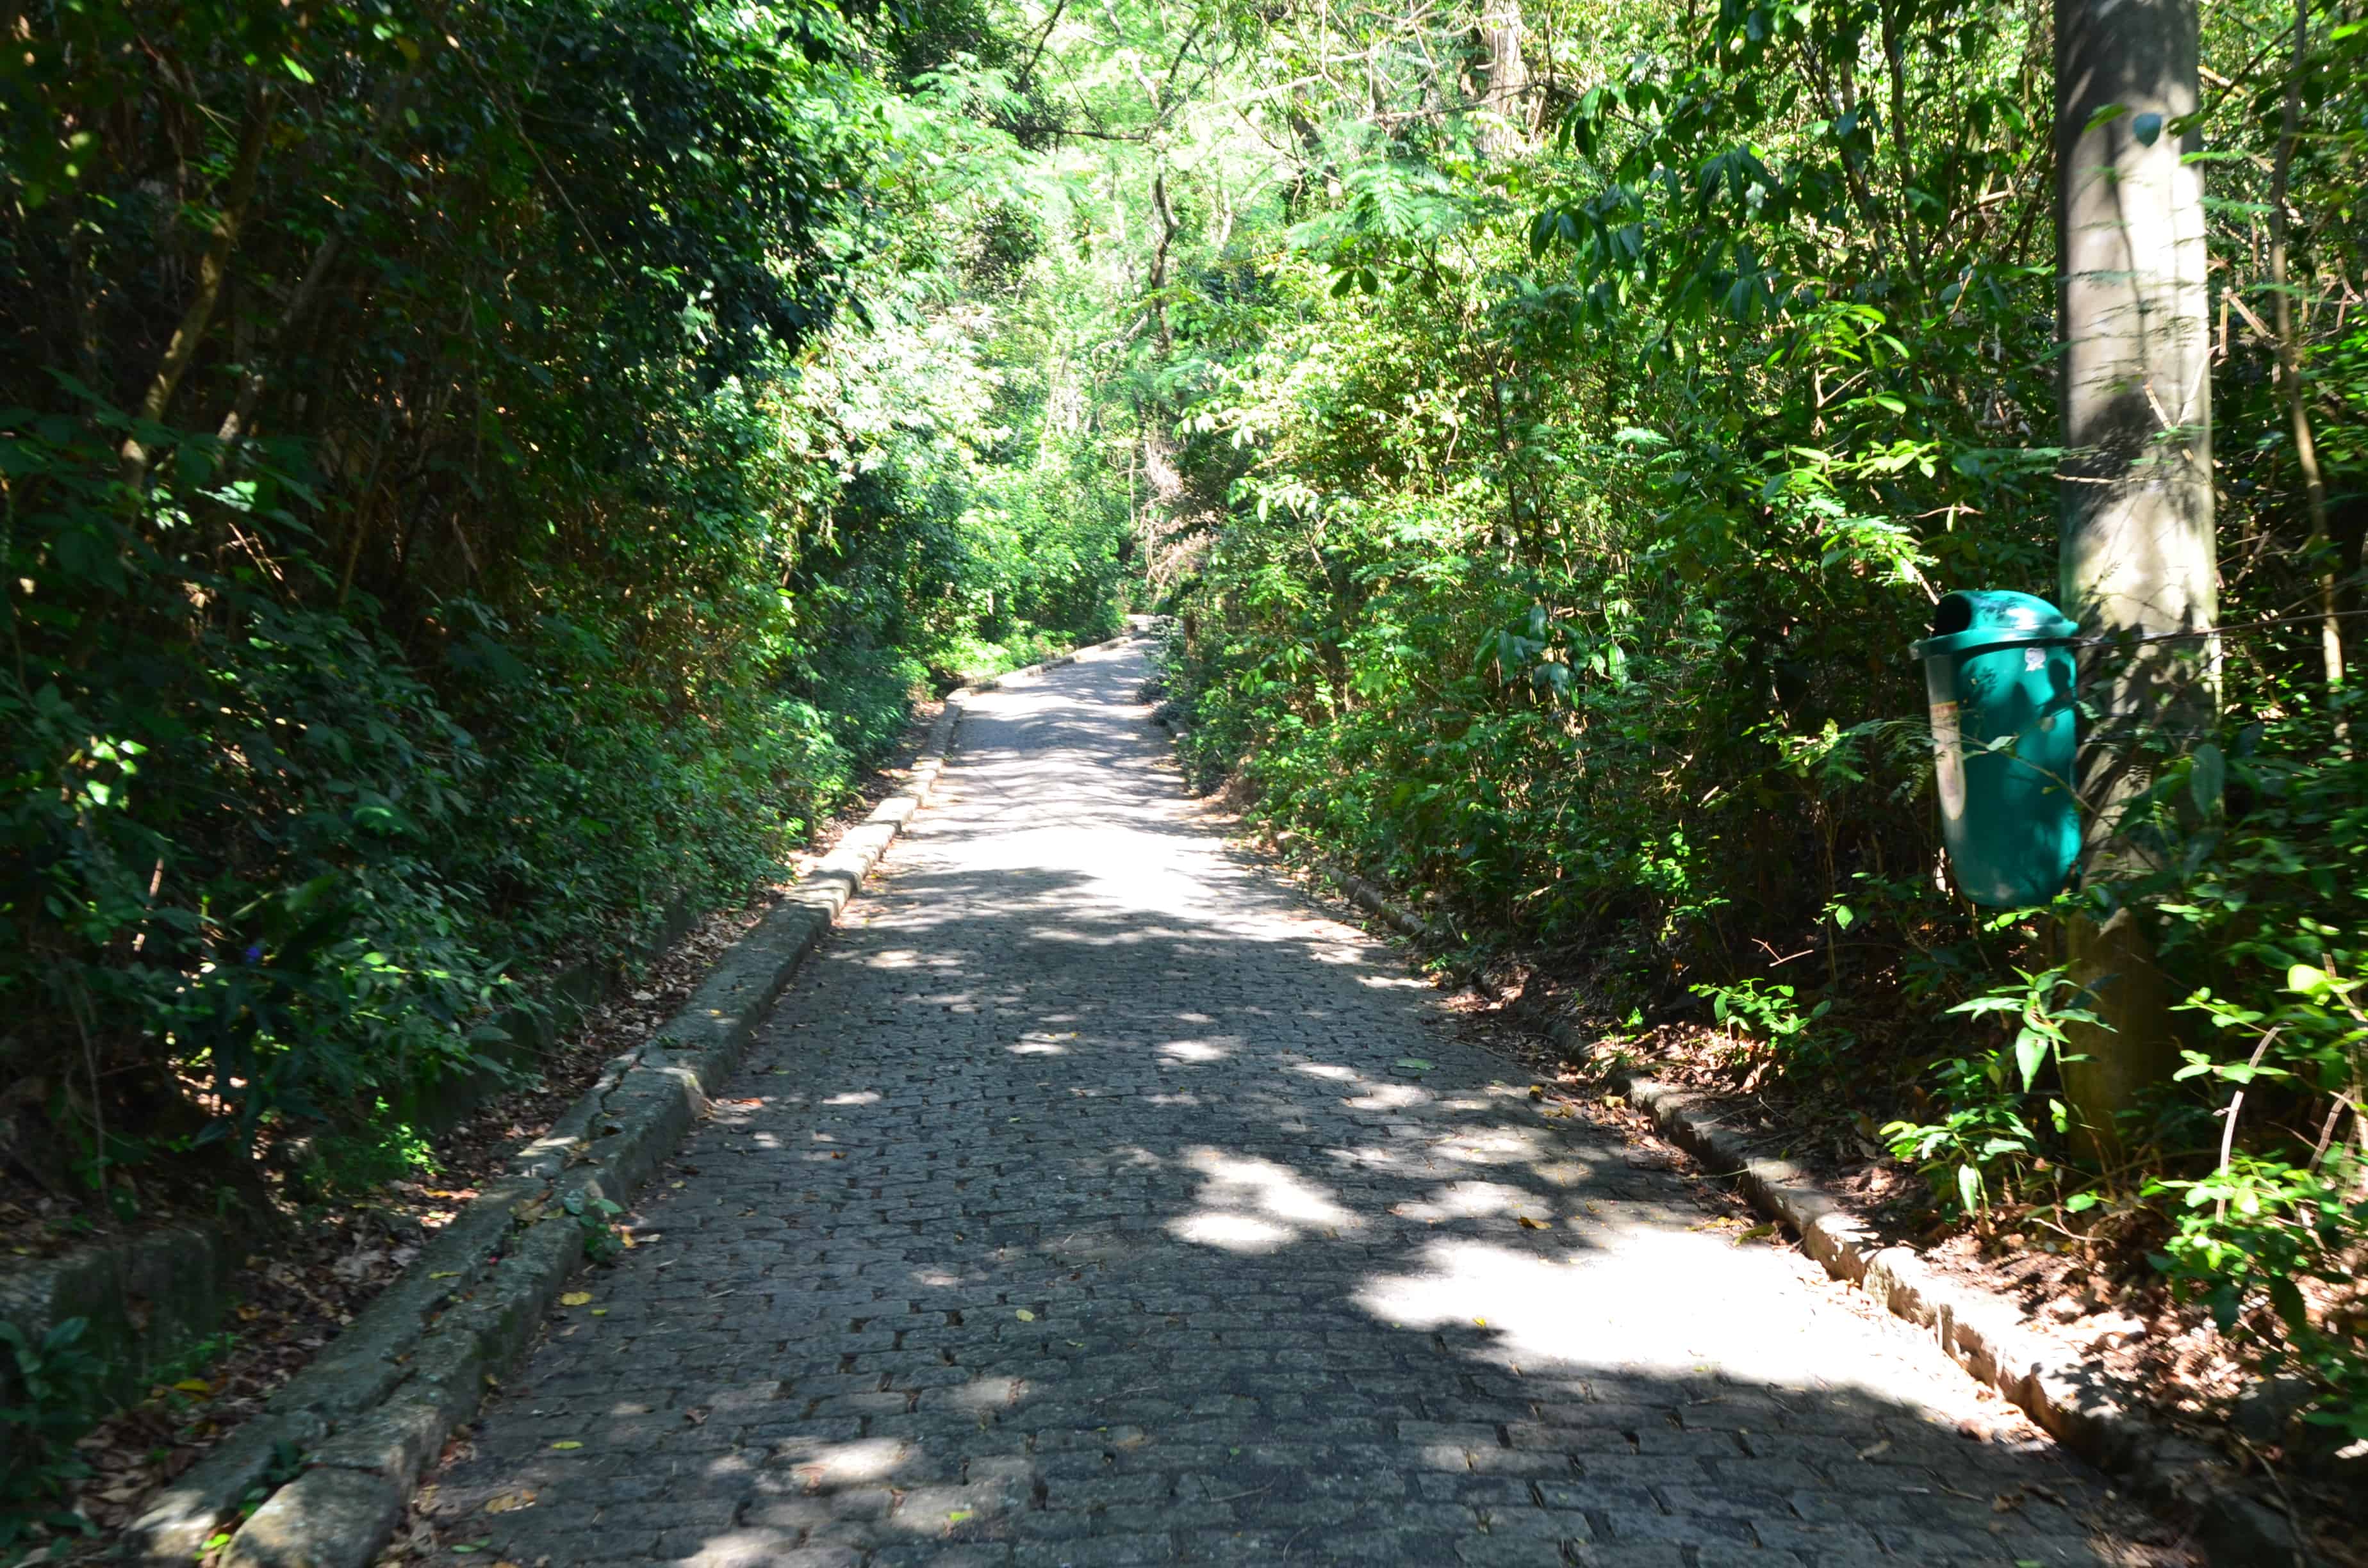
(2034, 658)
(1948, 759)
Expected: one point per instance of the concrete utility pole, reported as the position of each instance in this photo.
(2132, 319)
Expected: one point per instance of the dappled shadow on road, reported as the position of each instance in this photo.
(1091, 1202)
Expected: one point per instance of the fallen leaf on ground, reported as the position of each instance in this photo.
(571, 1444)
(1024, 1315)
(1529, 1224)
(509, 1503)
(577, 1299)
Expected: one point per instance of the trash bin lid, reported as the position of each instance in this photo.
(1989, 617)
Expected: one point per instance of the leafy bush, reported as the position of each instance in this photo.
(1994, 1098)
(56, 1385)
(528, 543)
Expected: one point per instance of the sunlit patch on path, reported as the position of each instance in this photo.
(1092, 1217)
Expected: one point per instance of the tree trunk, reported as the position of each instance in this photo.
(213, 266)
(2108, 1069)
(2330, 623)
(1157, 290)
(2132, 319)
(2137, 554)
(1506, 98)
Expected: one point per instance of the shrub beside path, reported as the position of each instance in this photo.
(1091, 1200)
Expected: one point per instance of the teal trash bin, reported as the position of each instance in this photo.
(1998, 668)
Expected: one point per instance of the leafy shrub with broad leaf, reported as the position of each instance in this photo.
(55, 1386)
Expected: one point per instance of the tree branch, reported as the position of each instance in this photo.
(212, 268)
(1020, 83)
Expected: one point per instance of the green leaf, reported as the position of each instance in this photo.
(2207, 775)
(1981, 1004)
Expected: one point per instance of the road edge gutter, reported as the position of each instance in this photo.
(373, 1411)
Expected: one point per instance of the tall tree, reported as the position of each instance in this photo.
(2138, 566)
(1505, 89)
(2133, 322)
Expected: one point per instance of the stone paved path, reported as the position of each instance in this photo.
(1077, 1207)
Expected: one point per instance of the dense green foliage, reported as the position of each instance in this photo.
(467, 483)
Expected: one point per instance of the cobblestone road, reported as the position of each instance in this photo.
(1089, 1201)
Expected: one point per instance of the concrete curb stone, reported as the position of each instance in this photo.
(1380, 905)
(373, 1411)
(310, 1522)
(1981, 1332)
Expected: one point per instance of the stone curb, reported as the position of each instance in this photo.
(1379, 905)
(368, 1415)
(1981, 1332)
